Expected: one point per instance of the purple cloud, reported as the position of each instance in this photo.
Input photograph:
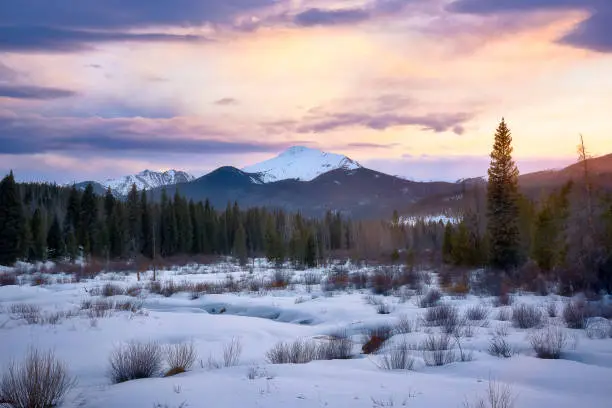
(320, 17)
(594, 33)
(37, 134)
(435, 122)
(35, 39)
(33, 92)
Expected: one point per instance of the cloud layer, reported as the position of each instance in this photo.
(202, 83)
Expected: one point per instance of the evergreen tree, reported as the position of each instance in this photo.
(134, 218)
(168, 228)
(240, 248)
(275, 251)
(549, 243)
(88, 221)
(109, 203)
(447, 243)
(146, 223)
(310, 256)
(117, 232)
(12, 221)
(502, 204)
(38, 249)
(55, 241)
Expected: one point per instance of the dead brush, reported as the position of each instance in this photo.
(180, 358)
(438, 350)
(26, 311)
(374, 338)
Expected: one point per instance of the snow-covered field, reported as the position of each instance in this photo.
(261, 319)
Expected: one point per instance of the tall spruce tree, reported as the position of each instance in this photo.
(38, 249)
(502, 204)
(12, 221)
(55, 241)
(88, 221)
(240, 246)
(447, 243)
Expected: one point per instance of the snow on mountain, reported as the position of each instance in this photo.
(300, 163)
(146, 180)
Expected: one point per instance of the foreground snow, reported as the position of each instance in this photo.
(580, 378)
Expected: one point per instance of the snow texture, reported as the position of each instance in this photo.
(581, 378)
(300, 163)
(147, 180)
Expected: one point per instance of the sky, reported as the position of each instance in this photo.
(94, 89)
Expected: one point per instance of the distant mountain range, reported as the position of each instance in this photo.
(313, 182)
(145, 180)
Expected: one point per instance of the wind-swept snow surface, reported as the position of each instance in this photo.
(260, 318)
(301, 163)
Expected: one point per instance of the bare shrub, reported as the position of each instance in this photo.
(338, 279)
(169, 288)
(383, 308)
(497, 396)
(7, 279)
(135, 360)
(375, 337)
(26, 311)
(503, 299)
(598, 328)
(410, 278)
(404, 325)
(398, 358)
(438, 350)
(575, 313)
(39, 279)
(180, 358)
(232, 352)
(478, 313)
(499, 347)
(526, 316)
(549, 343)
(110, 289)
(255, 372)
(128, 306)
(99, 308)
(359, 280)
(40, 381)
(429, 299)
(502, 329)
(134, 290)
(444, 315)
(298, 352)
(338, 347)
(312, 278)
(154, 287)
(504, 314)
(551, 309)
(280, 279)
(381, 281)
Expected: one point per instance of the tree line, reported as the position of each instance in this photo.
(48, 222)
(564, 238)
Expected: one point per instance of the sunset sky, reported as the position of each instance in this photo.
(91, 89)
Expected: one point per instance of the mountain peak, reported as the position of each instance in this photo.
(146, 180)
(300, 163)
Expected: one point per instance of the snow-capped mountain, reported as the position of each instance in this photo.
(300, 163)
(146, 180)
